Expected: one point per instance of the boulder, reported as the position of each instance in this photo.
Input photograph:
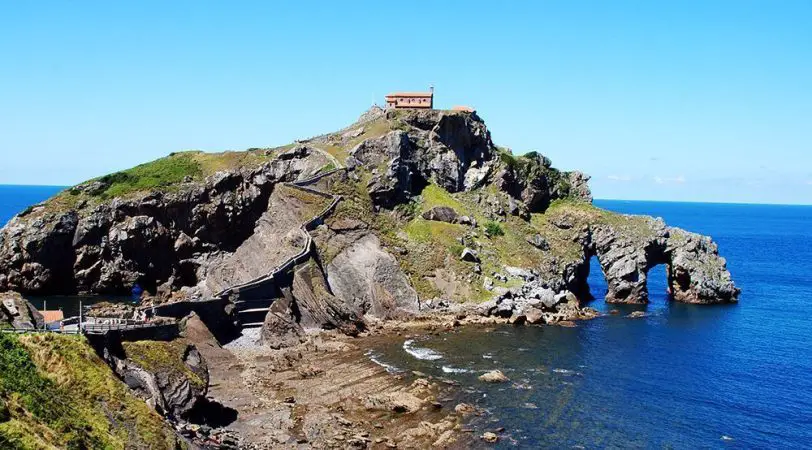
(465, 409)
(469, 255)
(171, 376)
(315, 305)
(490, 437)
(280, 328)
(441, 214)
(534, 316)
(538, 241)
(466, 220)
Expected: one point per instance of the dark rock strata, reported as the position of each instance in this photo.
(151, 239)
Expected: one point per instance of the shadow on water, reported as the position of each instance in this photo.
(69, 304)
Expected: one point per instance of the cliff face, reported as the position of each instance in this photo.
(152, 237)
(378, 252)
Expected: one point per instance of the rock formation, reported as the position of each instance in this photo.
(17, 312)
(150, 238)
(171, 376)
(370, 279)
(426, 208)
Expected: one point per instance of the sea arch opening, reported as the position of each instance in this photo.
(637, 284)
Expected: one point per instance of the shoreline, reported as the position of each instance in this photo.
(327, 393)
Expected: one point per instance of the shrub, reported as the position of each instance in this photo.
(493, 229)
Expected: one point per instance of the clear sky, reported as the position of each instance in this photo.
(664, 100)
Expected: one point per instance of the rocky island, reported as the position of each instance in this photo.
(404, 218)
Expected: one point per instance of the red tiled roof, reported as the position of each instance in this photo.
(411, 94)
(52, 316)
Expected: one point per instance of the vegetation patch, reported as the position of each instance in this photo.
(434, 195)
(160, 173)
(59, 393)
(493, 229)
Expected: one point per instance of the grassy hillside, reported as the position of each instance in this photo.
(55, 392)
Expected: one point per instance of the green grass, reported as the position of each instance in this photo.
(59, 393)
(434, 195)
(160, 173)
(164, 175)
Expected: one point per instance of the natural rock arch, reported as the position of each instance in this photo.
(695, 273)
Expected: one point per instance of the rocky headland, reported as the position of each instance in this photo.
(404, 219)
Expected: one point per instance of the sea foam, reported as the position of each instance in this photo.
(421, 352)
(388, 367)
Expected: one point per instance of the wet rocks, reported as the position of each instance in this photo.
(494, 376)
(489, 437)
(465, 409)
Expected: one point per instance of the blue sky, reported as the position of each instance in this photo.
(697, 101)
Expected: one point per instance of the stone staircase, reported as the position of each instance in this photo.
(253, 299)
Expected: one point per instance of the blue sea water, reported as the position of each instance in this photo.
(14, 199)
(685, 376)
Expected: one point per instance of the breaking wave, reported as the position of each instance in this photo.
(388, 367)
(420, 352)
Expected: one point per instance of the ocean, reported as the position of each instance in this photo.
(684, 376)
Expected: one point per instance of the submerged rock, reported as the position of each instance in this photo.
(490, 437)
